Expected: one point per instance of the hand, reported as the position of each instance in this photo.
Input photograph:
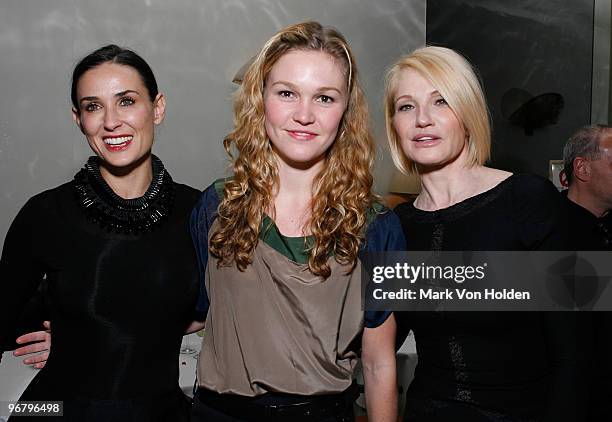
(40, 342)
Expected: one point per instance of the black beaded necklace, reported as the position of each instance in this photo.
(128, 216)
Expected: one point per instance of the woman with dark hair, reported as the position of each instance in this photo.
(280, 241)
(114, 247)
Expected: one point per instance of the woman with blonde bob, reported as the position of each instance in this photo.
(501, 366)
(279, 244)
(458, 85)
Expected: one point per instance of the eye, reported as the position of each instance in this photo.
(126, 101)
(286, 94)
(91, 107)
(440, 101)
(326, 99)
(405, 107)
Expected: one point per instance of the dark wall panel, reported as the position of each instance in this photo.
(534, 46)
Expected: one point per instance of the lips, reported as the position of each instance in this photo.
(426, 140)
(425, 137)
(117, 143)
(301, 135)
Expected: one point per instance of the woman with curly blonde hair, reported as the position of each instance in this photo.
(279, 244)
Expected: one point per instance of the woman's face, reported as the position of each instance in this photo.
(305, 96)
(430, 133)
(116, 114)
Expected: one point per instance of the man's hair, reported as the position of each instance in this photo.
(583, 143)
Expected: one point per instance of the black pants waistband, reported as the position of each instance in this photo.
(280, 407)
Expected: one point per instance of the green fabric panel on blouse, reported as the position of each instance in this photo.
(219, 186)
(293, 248)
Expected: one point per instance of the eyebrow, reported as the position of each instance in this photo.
(118, 94)
(294, 87)
(409, 97)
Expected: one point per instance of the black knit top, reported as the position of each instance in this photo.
(492, 366)
(121, 287)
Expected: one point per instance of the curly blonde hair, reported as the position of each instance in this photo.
(342, 191)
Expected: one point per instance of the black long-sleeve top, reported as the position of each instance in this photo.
(119, 298)
(492, 366)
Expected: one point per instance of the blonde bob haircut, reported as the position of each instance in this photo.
(341, 196)
(455, 79)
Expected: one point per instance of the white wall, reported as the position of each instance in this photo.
(194, 47)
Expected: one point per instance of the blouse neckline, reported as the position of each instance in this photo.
(462, 208)
(293, 247)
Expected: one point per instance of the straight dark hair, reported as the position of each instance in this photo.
(113, 54)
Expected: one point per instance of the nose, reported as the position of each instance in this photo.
(111, 119)
(423, 117)
(303, 113)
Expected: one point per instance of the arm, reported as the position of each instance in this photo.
(378, 341)
(21, 273)
(544, 227)
(379, 373)
(35, 322)
(200, 222)
(35, 342)
(566, 334)
(195, 326)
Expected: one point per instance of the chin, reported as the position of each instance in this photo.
(123, 160)
(428, 162)
(300, 159)
(434, 160)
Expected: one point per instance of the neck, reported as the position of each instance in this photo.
(129, 182)
(292, 199)
(295, 181)
(586, 200)
(446, 185)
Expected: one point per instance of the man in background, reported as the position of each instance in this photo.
(587, 160)
(588, 170)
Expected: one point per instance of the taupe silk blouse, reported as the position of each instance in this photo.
(276, 327)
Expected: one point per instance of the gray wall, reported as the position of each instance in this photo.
(194, 47)
(600, 110)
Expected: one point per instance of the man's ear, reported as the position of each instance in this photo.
(582, 169)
